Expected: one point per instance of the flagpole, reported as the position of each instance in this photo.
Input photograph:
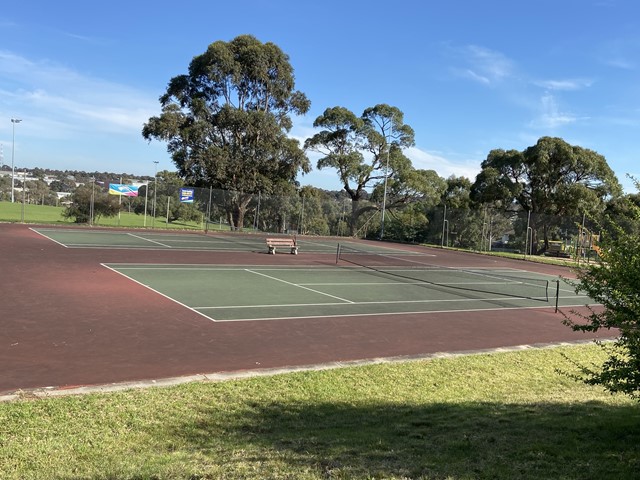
(119, 203)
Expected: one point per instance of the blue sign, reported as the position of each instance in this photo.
(186, 195)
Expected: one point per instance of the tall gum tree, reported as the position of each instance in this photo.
(551, 178)
(365, 151)
(226, 121)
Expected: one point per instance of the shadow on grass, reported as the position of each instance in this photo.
(468, 440)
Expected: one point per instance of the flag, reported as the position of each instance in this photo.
(123, 190)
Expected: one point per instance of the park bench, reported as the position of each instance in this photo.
(274, 243)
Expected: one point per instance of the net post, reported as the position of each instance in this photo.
(546, 290)
(557, 294)
(338, 254)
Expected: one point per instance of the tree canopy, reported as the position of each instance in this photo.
(367, 152)
(551, 177)
(613, 284)
(226, 121)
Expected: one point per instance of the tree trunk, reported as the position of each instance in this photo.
(237, 210)
(353, 219)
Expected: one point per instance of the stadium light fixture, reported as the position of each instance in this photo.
(13, 154)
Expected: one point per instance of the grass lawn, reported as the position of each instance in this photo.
(44, 214)
(504, 415)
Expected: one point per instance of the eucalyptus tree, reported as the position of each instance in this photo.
(552, 178)
(366, 151)
(226, 121)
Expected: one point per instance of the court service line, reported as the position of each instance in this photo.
(149, 240)
(159, 293)
(299, 286)
(382, 302)
(386, 314)
(418, 282)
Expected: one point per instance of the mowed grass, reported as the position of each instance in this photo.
(504, 415)
(45, 214)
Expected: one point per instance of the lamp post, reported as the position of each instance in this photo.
(155, 190)
(384, 197)
(13, 153)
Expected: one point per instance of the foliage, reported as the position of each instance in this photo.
(88, 199)
(226, 121)
(5, 187)
(63, 184)
(622, 211)
(614, 284)
(367, 152)
(551, 177)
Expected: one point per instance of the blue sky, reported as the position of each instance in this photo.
(469, 76)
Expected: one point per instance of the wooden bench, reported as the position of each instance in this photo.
(273, 243)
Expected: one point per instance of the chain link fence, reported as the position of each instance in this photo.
(334, 214)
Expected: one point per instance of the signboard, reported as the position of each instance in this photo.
(186, 195)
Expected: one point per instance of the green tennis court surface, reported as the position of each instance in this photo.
(235, 293)
(144, 240)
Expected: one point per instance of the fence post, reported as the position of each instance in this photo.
(444, 223)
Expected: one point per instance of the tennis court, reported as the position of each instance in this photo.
(107, 306)
(192, 241)
(363, 279)
(253, 292)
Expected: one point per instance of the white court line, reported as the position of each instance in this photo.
(418, 282)
(47, 237)
(149, 240)
(216, 268)
(386, 314)
(159, 293)
(305, 243)
(378, 302)
(299, 286)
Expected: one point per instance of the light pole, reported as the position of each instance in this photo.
(13, 154)
(155, 190)
(384, 197)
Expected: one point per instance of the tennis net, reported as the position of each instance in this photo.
(415, 268)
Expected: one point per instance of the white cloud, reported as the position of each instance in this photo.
(550, 115)
(484, 65)
(444, 167)
(476, 77)
(567, 84)
(41, 89)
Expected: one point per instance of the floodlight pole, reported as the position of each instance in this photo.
(384, 196)
(13, 153)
